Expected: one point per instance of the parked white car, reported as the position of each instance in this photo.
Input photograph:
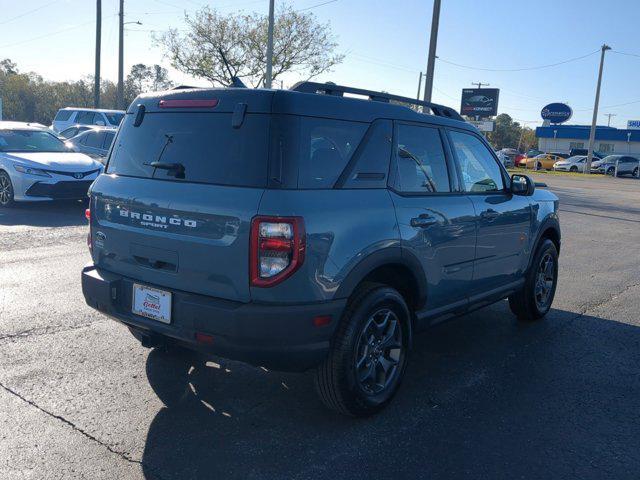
(35, 165)
(69, 116)
(571, 164)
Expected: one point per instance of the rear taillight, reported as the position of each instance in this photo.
(87, 215)
(277, 249)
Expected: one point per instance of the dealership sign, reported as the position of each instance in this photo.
(633, 124)
(557, 112)
(479, 102)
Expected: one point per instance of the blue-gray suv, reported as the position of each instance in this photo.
(309, 229)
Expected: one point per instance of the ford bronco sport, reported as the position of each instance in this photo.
(306, 229)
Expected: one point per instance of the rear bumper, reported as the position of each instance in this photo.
(280, 337)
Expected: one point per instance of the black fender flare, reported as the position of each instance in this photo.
(380, 258)
(550, 222)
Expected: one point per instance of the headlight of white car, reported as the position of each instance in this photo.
(30, 171)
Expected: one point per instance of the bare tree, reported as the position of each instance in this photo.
(301, 45)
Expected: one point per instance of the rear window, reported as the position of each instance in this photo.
(63, 115)
(205, 145)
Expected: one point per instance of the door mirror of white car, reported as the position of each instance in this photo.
(522, 185)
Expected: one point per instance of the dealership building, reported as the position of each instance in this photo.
(562, 138)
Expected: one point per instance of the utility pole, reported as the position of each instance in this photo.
(592, 133)
(96, 76)
(120, 89)
(609, 115)
(431, 61)
(267, 80)
(419, 86)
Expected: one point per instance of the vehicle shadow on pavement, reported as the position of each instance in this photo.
(68, 213)
(484, 397)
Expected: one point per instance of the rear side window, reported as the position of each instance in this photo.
(63, 115)
(204, 147)
(315, 151)
(421, 165)
(85, 118)
(94, 139)
(108, 140)
(480, 171)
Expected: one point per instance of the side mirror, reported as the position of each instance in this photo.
(522, 185)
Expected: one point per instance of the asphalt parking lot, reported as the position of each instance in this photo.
(484, 397)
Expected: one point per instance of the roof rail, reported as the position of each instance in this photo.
(182, 87)
(340, 90)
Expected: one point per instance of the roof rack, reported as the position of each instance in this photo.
(340, 90)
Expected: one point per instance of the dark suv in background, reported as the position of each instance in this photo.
(304, 229)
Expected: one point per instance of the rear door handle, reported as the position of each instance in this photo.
(423, 221)
(490, 215)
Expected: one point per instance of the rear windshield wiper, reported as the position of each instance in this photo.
(177, 169)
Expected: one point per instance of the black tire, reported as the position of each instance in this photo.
(6, 190)
(527, 304)
(611, 171)
(635, 172)
(539, 166)
(349, 389)
(573, 169)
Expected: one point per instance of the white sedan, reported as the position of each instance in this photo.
(571, 164)
(35, 165)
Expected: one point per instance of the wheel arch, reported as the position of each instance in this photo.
(549, 229)
(391, 266)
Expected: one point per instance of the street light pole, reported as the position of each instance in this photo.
(120, 89)
(431, 61)
(592, 133)
(419, 86)
(267, 80)
(96, 75)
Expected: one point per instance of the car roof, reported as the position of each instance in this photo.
(101, 110)
(90, 127)
(288, 102)
(10, 125)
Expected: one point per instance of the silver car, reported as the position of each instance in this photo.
(571, 164)
(95, 142)
(627, 165)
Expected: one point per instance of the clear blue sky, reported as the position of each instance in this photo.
(385, 43)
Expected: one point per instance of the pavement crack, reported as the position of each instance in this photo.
(44, 331)
(79, 430)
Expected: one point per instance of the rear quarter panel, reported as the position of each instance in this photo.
(343, 227)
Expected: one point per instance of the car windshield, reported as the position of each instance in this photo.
(30, 141)
(114, 118)
(574, 159)
(542, 155)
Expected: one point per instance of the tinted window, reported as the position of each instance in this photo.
(85, 118)
(480, 171)
(114, 118)
(108, 140)
(421, 164)
(371, 158)
(29, 141)
(69, 132)
(63, 115)
(205, 144)
(94, 139)
(325, 147)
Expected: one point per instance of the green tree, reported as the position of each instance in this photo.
(506, 132)
(301, 45)
(144, 78)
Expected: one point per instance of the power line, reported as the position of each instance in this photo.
(48, 34)
(519, 69)
(625, 53)
(29, 12)
(315, 6)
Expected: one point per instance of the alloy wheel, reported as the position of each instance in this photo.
(379, 351)
(6, 190)
(545, 279)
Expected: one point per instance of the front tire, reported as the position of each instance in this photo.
(611, 171)
(6, 190)
(574, 169)
(534, 300)
(368, 356)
